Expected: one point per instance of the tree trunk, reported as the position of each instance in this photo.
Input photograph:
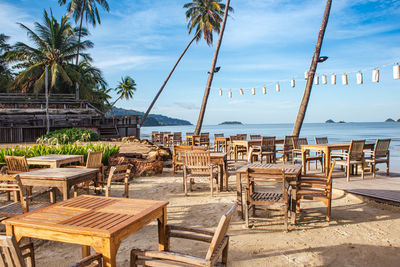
(211, 75)
(307, 91)
(166, 80)
(77, 54)
(114, 103)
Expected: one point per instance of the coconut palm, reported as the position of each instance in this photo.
(205, 16)
(6, 75)
(125, 89)
(55, 46)
(211, 72)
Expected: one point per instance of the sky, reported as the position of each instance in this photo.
(266, 41)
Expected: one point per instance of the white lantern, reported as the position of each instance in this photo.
(333, 78)
(264, 90)
(292, 83)
(324, 80)
(230, 94)
(306, 75)
(396, 72)
(278, 87)
(375, 75)
(359, 78)
(253, 91)
(241, 91)
(220, 92)
(316, 80)
(344, 79)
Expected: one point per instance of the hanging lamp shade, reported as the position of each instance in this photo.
(230, 94)
(220, 92)
(253, 91)
(344, 79)
(375, 76)
(293, 83)
(278, 87)
(359, 77)
(333, 79)
(241, 91)
(324, 79)
(316, 80)
(396, 71)
(306, 75)
(264, 90)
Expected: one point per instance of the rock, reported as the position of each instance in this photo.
(141, 167)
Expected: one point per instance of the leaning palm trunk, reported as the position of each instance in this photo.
(307, 91)
(167, 79)
(211, 75)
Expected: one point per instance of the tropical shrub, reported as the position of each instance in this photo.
(62, 149)
(70, 135)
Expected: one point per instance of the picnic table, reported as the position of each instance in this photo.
(55, 161)
(92, 221)
(221, 160)
(292, 172)
(61, 178)
(327, 149)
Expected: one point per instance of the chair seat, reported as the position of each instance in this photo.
(344, 162)
(378, 160)
(15, 208)
(269, 196)
(199, 175)
(310, 192)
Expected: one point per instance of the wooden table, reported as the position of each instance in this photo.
(55, 161)
(62, 178)
(221, 160)
(244, 143)
(221, 142)
(92, 221)
(292, 172)
(327, 149)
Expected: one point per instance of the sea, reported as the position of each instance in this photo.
(336, 132)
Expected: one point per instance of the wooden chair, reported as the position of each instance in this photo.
(22, 202)
(297, 155)
(178, 154)
(94, 160)
(189, 140)
(16, 164)
(153, 136)
(380, 154)
(255, 198)
(205, 139)
(267, 149)
(176, 139)
(286, 151)
(354, 157)
(240, 149)
(316, 188)
(197, 165)
(219, 244)
(117, 173)
(13, 255)
(321, 140)
(220, 146)
(242, 136)
(255, 137)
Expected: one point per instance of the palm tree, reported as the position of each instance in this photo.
(125, 89)
(205, 16)
(6, 75)
(307, 91)
(85, 8)
(55, 46)
(211, 73)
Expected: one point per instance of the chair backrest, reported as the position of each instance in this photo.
(382, 147)
(266, 176)
(356, 149)
(220, 232)
(16, 164)
(119, 172)
(205, 134)
(297, 142)
(255, 137)
(11, 254)
(198, 162)
(268, 143)
(218, 135)
(321, 140)
(94, 159)
(12, 183)
(288, 142)
(233, 138)
(242, 136)
(196, 141)
(177, 136)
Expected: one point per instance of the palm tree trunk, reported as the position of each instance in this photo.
(77, 54)
(166, 80)
(114, 103)
(307, 91)
(211, 75)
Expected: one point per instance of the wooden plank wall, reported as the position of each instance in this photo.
(18, 135)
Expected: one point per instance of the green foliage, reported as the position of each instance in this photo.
(70, 135)
(65, 149)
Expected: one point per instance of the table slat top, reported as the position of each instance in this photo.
(53, 158)
(57, 173)
(336, 145)
(97, 215)
(291, 169)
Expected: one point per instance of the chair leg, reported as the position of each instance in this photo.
(212, 186)
(224, 258)
(347, 169)
(362, 170)
(246, 212)
(185, 184)
(387, 167)
(328, 211)
(286, 217)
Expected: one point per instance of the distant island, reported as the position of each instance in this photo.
(330, 121)
(231, 123)
(390, 120)
(398, 120)
(341, 122)
(152, 119)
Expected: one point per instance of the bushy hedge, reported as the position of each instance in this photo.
(70, 135)
(63, 149)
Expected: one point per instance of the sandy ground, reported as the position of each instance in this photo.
(361, 233)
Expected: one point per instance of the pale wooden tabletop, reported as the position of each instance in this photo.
(54, 157)
(57, 173)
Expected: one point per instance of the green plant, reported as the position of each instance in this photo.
(63, 149)
(70, 135)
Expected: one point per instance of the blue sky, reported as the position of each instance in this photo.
(265, 41)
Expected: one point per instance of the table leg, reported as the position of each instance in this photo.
(225, 172)
(221, 176)
(65, 191)
(85, 251)
(162, 231)
(327, 160)
(303, 160)
(236, 154)
(239, 194)
(109, 251)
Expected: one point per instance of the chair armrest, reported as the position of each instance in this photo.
(183, 232)
(169, 256)
(190, 229)
(89, 260)
(339, 154)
